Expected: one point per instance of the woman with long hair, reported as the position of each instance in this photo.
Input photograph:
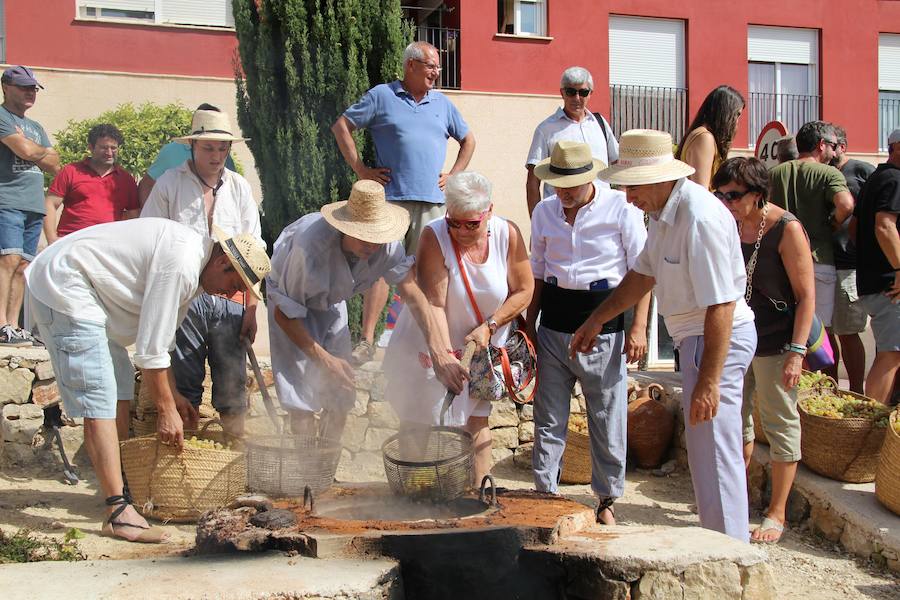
(706, 144)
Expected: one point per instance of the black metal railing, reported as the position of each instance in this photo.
(791, 109)
(447, 42)
(648, 107)
(888, 117)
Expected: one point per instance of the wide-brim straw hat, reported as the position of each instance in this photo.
(570, 165)
(247, 256)
(645, 157)
(367, 215)
(210, 125)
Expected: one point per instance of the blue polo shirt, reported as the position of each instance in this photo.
(410, 138)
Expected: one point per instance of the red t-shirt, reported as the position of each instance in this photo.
(89, 199)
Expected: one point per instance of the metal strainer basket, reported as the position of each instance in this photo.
(284, 465)
(443, 469)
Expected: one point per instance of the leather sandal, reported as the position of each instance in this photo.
(149, 535)
(603, 505)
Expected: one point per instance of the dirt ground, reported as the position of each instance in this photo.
(804, 566)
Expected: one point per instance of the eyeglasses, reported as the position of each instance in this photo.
(430, 66)
(571, 92)
(471, 224)
(730, 197)
(834, 145)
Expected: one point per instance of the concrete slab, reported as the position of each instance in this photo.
(626, 552)
(227, 577)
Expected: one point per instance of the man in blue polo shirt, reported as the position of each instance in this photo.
(409, 122)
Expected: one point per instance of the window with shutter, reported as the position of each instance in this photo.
(888, 86)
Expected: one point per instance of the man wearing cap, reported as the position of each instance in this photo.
(202, 193)
(319, 262)
(172, 155)
(877, 229)
(584, 238)
(693, 257)
(103, 288)
(24, 154)
(410, 122)
(575, 122)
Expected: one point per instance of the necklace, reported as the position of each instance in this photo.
(751, 264)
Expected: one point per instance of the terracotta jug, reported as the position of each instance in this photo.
(650, 426)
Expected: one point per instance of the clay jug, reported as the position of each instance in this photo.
(650, 427)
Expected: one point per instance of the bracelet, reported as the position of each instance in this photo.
(798, 348)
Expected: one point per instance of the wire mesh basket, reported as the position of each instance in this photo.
(284, 465)
(442, 469)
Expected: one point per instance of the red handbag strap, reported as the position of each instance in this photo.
(465, 278)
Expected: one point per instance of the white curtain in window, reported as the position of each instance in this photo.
(762, 78)
(135, 5)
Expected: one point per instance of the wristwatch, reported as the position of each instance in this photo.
(492, 325)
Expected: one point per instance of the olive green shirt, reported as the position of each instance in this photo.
(807, 190)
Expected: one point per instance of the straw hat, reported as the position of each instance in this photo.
(570, 165)
(645, 156)
(210, 125)
(367, 216)
(247, 256)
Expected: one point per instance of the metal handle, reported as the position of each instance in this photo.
(308, 495)
(267, 401)
(481, 491)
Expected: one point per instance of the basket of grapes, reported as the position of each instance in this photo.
(209, 472)
(576, 460)
(887, 477)
(842, 433)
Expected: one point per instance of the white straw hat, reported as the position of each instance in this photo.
(570, 165)
(210, 125)
(367, 215)
(645, 156)
(247, 256)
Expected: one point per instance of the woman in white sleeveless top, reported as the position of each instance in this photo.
(496, 262)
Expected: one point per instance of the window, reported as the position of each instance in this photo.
(888, 87)
(783, 77)
(2, 31)
(208, 13)
(522, 17)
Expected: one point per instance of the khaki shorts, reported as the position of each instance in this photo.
(420, 215)
(777, 408)
(849, 317)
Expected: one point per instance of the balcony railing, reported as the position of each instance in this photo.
(648, 107)
(791, 109)
(447, 42)
(888, 117)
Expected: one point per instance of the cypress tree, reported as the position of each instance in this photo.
(302, 63)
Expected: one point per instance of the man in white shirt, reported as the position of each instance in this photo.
(693, 257)
(199, 193)
(584, 239)
(575, 122)
(103, 288)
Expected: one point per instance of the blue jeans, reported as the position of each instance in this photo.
(20, 231)
(211, 330)
(92, 372)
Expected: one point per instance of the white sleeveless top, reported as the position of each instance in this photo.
(412, 388)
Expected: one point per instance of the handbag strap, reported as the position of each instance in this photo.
(465, 278)
(751, 264)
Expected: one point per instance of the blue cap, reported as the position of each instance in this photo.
(20, 76)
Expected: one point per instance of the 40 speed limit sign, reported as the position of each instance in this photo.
(766, 143)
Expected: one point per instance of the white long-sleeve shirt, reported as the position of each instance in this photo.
(137, 277)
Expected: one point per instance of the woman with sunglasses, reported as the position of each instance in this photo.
(781, 293)
(492, 252)
(707, 141)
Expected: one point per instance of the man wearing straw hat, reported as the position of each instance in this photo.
(693, 257)
(201, 193)
(584, 238)
(319, 262)
(103, 288)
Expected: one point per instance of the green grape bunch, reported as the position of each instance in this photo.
(834, 405)
(204, 444)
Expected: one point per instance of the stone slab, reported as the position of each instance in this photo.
(853, 503)
(228, 577)
(625, 552)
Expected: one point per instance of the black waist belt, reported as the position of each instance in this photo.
(566, 310)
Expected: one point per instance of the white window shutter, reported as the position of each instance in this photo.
(889, 61)
(135, 5)
(215, 13)
(782, 45)
(646, 52)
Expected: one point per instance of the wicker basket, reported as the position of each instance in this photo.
(576, 458)
(841, 449)
(179, 486)
(887, 476)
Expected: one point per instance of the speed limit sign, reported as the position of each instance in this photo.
(766, 143)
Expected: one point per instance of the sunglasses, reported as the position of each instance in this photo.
(470, 225)
(572, 92)
(730, 197)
